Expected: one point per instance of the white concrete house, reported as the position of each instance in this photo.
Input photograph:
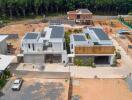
(47, 46)
(3, 44)
(93, 42)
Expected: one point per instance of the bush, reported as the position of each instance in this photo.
(69, 31)
(93, 65)
(81, 62)
(78, 62)
(130, 13)
(2, 83)
(67, 38)
(77, 30)
(7, 73)
(118, 55)
(90, 61)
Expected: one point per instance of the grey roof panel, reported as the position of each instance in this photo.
(57, 32)
(79, 38)
(31, 36)
(100, 33)
(84, 10)
(11, 36)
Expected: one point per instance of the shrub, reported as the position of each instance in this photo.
(78, 62)
(2, 82)
(93, 65)
(90, 61)
(118, 55)
(77, 30)
(69, 31)
(6, 74)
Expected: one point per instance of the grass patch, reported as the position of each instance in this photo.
(2, 83)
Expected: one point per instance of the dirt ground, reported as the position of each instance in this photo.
(108, 28)
(101, 89)
(57, 88)
(21, 29)
(65, 84)
(124, 42)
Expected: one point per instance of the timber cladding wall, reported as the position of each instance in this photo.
(94, 50)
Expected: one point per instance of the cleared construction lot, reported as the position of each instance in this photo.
(101, 89)
(38, 89)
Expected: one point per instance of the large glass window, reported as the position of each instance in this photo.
(29, 46)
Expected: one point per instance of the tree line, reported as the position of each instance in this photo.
(16, 8)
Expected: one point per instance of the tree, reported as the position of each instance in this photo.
(14, 8)
(37, 4)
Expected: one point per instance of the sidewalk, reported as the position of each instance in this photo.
(47, 67)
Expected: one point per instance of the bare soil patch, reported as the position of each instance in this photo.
(102, 89)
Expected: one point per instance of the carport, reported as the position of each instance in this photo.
(53, 58)
(101, 60)
(5, 61)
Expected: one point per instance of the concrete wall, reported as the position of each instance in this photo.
(57, 46)
(64, 57)
(33, 58)
(82, 16)
(3, 47)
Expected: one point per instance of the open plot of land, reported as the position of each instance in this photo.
(21, 29)
(39, 89)
(101, 89)
(110, 26)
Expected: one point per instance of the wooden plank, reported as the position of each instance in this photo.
(95, 50)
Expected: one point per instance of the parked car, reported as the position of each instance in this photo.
(17, 84)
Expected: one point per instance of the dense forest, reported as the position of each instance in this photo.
(16, 8)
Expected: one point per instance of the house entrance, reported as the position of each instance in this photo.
(53, 58)
(101, 60)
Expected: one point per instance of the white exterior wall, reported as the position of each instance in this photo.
(3, 47)
(111, 59)
(57, 46)
(34, 58)
(64, 57)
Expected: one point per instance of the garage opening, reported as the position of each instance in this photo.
(101, 60)
(53, 58)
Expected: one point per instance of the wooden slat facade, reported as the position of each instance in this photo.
(95, 50)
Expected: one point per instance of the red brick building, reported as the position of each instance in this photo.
(82, 16)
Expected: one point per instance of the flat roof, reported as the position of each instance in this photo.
(57, 32)
(100, 33)
(11, 36)
(79, 38)
(5, 60)
(31, 36)
(2, 37)
(83, 11)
